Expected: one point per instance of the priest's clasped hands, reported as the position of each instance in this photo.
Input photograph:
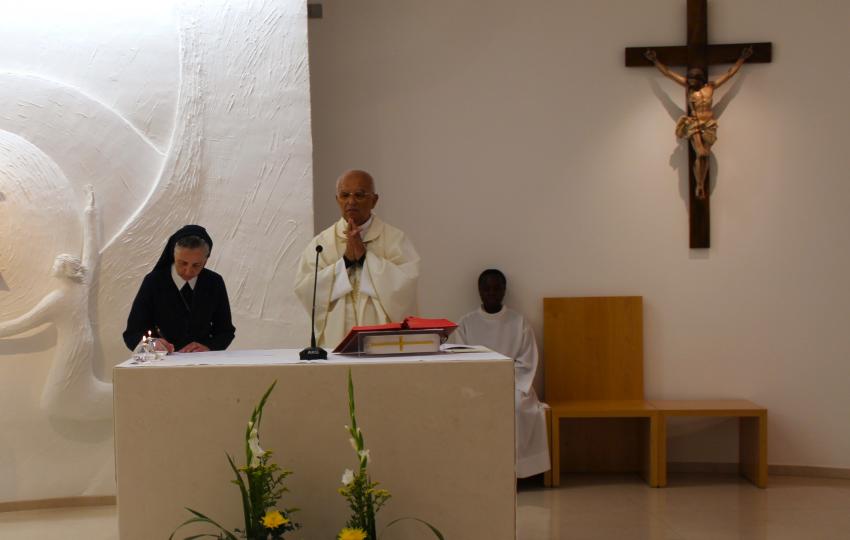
(355, 249)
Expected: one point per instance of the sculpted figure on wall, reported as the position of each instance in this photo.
(699, 124)
(71, 390)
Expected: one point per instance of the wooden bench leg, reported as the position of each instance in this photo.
(661, 451)
(651, 444)
(555, 450)
(658, 441)
(547, 476)
(752, 447)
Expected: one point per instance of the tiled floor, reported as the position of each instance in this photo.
(692, 507)
(93, 523)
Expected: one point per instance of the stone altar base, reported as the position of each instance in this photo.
(440, 430)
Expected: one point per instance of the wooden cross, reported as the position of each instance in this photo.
(698, 54)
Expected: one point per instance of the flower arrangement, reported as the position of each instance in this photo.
(261, 484)
(363, 495)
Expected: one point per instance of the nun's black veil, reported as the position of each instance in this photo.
(167, 257)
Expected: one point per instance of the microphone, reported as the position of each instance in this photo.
(312, 352)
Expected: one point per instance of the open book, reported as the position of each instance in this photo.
(443, 327)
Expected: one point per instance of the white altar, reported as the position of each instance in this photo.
(440, 430)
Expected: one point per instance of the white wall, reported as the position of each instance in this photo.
(177, 112)
(510, 134)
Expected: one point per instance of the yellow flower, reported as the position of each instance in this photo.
(352, 534)
(380, 492)
(273, 519)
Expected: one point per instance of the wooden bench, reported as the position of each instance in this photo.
(642, 451)
(600, 420)
(752, 433)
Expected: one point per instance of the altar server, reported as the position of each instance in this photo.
(368, 269)
(180, 301)
(505, 331)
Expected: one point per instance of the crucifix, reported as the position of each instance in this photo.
(698, 124)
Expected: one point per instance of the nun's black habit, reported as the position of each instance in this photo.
(160, 308)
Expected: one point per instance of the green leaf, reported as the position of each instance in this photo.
(259, 409)
(200, 518)
(351, 403)
(246, 503)
(434, 530)
(187, 522)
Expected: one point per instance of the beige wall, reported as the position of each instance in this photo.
(510, 134)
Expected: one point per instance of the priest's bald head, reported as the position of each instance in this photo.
(355, 194)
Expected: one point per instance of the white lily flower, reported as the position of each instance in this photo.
(347, 477)
(365, 454)
(254, 445)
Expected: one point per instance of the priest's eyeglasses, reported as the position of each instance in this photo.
(358, 196)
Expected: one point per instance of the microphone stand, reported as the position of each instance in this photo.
(312, 352)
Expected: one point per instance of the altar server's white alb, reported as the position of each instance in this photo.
(508, 333)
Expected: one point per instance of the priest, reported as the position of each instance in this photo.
(505, 331)
(368, 269)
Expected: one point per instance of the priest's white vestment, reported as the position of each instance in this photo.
(382, 290)
(508, 333)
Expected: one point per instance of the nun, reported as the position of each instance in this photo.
(180, 301)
